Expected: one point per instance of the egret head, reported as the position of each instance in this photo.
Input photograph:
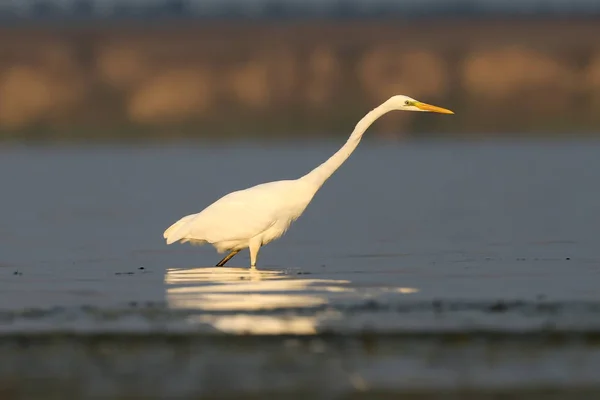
(405, 103)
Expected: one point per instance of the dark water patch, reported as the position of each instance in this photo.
(326, 366)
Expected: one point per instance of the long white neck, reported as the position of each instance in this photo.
(319, 175)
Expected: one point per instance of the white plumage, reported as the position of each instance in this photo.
(270, 209)
(256, 216)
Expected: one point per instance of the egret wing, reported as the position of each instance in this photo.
(236, 216)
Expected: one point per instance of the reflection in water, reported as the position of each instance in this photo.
(261, 324)
(242, 292)
(218, 275)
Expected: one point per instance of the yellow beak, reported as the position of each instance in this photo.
(429, 107)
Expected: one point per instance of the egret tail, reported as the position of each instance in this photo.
(178, 230)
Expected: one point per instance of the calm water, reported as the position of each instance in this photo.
(404, 238)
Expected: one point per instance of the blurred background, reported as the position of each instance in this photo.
(218, 69)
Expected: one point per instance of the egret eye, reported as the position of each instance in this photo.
(407, 102)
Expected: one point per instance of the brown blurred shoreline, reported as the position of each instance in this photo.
(539, 76)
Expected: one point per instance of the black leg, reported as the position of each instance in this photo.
(227, 258)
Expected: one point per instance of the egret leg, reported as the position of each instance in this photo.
(227, 258)
(254, 247)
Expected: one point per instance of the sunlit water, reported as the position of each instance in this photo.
(405, 239)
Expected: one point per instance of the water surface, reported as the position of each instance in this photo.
(526, 213)
(412, 240)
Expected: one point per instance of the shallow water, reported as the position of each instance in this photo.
(417, 239)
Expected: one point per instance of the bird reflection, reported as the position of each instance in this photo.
(242, 300)
(218, 275)
(242, 291)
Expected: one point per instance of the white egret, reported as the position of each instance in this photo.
(253, 217)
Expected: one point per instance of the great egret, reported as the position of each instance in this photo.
(260, 214)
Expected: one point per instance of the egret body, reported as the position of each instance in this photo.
(254, 217)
